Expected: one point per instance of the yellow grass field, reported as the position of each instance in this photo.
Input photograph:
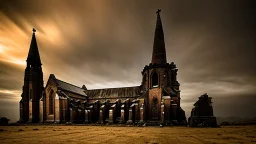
(114, 134)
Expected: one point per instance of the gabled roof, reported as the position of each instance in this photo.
(64, 86)
(69, 87)
(114, 92)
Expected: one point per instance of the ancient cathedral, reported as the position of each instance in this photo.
(155, 100)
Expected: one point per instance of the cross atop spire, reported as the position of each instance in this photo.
(159, 54)
(158, 11)
(34, 30)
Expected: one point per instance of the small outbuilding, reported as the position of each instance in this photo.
(202, 113)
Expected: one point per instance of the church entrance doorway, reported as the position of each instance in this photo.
(154, 110)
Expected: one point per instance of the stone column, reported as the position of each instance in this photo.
(122, 120)
(30, 110)
(130, 117)
(118, 108)
(57, 109)
(100, 117)
(21, 111)
(102, 114)
(41, 116)
(110, 116)
(162, 112)
(126, 109)
(71, 114)
(86, 119)
(142, 115)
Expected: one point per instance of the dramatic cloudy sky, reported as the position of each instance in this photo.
(106, 43)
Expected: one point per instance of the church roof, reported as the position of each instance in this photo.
(114, 92)
(67, 86)
(33, 55)
(159, 53)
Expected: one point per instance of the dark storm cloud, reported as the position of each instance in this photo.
(9, 95)
(107, 43)
(10, 76)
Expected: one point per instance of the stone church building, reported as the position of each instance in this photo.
(155, 100)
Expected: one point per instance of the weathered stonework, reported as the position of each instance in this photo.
(155, 101)
(202, 113)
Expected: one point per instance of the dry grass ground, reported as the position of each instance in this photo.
(113, 134)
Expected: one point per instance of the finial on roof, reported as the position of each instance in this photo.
(158, 11)
(84, 87)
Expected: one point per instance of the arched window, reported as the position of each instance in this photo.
(51, 102)
(154, 79)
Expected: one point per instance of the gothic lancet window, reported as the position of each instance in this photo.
(154, 79)
(51, 102)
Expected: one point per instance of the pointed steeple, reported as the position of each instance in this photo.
(33, 58)
(159, 54)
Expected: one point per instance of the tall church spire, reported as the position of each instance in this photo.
(33, 55)
(159, 54)
(33, 85)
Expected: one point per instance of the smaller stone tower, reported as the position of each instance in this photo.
(202, 113)
(33, 85)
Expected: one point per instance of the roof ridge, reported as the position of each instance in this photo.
(114, 88)
(68, 83)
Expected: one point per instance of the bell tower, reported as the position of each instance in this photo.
(33, 85)
(160, 79)
(159, 73)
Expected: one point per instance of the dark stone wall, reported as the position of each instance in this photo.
(155, 97)
(202, 113)
(32, 91)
